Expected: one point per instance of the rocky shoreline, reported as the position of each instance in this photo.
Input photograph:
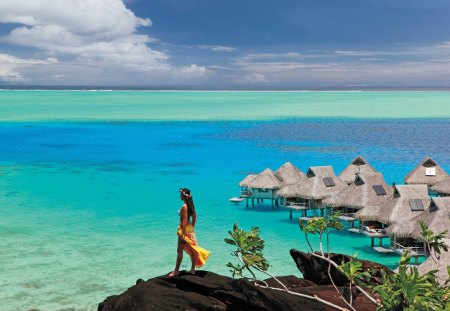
(209, 291)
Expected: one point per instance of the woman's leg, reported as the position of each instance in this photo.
(193, 265)
(179, 258)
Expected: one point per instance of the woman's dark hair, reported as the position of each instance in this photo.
(187, 196)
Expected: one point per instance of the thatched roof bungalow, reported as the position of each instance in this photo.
(368, 189)
(440, 265)
(289, 174)
(442, 187)
(359, 165)
(246, 181)
(436, 216)
(428, 172)
(407, 202)
(321, 183)
(265, 180)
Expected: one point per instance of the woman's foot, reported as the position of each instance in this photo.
(192, 272)
(173, 273)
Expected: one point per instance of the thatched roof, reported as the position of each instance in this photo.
(359, 165)
(368, 213)
(437, 217)
(362, 192)
(441, 265)
(289, 174)
(265, 180)
(402, 206)
(247, 179)
(314, 186)
(443, 186)
(419, 175)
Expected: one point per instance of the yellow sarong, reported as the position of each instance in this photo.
(191, 247)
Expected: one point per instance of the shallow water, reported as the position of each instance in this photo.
(88, 208)
(182, 105)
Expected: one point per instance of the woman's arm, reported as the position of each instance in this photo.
(184, 216)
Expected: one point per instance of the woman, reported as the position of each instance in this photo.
(186, 235)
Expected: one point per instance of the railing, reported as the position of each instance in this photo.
(350, 215)
(370, 230)
(246, 193)
(374, 233)
(413, 250)
(295, 205)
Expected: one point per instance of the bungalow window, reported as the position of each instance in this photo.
(379, 189)
(360, 169)
(430, 171)
(416, 205)
(278, 176)
(263, 190)
(328, 181)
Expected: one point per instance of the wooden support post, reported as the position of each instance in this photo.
(246, 203)
(381, 242)
(253, 202)
(353, 224)
(372, 241)
(272, 203)
(290, 216)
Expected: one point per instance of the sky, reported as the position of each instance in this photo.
(245, 43)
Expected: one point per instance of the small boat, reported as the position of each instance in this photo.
(236, 200)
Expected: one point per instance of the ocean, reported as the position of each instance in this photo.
(89, 180)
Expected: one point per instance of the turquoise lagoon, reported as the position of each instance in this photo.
(89, 180)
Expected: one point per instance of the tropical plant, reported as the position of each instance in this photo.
(407, 290)
(320, 226)
(353, 271)
(249, 252)
(434, 242)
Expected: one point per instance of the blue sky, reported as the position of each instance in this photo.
(300, 43)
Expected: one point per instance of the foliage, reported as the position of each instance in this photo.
(433, 241)
(354, 272)
(408, 290)
(249, 251)
(320, 225)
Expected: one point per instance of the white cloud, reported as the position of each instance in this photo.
(10, 65)
(253, 78)
(193, 69)
(218, 48)
(100, 31)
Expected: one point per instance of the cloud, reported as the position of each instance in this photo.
(10, 64)
(192, 70)
(218, 48)
(257, 56)
(253, 78)
(100, 31)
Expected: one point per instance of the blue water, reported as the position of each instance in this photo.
(89, 207)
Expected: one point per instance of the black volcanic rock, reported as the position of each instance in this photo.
(316, 269)
(210, 291)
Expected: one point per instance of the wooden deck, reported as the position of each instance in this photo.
(384, 250)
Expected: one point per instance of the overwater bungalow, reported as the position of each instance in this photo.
(289, 174)
(436, 216)
(428, 172)
(244, 184)
(407, 202)
(359, 165)
(266, 184)
(442, 188)
(367, 190)
(320, 183)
